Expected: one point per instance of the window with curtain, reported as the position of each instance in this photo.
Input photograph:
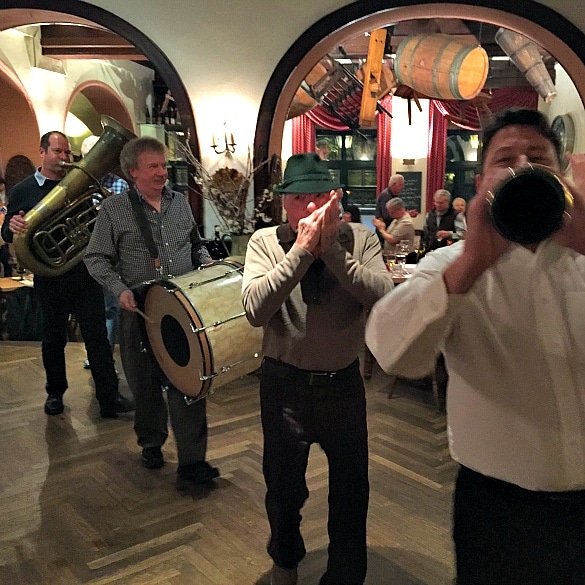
(463, 147)
(351, 158)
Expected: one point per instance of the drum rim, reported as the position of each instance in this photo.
(195, 319)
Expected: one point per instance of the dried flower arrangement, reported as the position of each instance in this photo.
(227, 190)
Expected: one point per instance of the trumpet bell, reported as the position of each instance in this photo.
(528, 207)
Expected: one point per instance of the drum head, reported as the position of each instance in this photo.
(183, 356)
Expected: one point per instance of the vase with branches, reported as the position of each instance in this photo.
(227, 190)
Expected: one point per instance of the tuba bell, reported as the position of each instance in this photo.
(60, 225)
(529, 205)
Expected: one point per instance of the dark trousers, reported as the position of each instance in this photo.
(78, 293)
(5, 260)
(145, 380)
(507, 535)
(297, 410)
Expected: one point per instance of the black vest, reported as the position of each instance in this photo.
(447, 222)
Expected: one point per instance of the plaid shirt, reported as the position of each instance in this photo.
(113, 183)
(117, 256)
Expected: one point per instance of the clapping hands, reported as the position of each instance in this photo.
(318, 230)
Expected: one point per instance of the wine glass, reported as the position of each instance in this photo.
(402, 250)
(389, 255)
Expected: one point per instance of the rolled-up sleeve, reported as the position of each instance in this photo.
(418, 313)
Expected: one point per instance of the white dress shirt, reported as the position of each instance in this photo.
(515, 351)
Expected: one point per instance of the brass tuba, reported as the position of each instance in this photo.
(60, 225)
(530, 204)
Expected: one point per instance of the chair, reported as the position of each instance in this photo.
(439, 381)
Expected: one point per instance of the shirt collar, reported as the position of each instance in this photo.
(40, 178)
(166, 193)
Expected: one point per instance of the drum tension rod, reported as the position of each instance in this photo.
(224, 275)
(217, 323)
(225, 369)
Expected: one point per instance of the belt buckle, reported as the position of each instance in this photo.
(320, 378)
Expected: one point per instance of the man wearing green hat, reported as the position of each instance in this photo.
(308, 283)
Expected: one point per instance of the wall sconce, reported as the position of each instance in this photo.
(226, 147)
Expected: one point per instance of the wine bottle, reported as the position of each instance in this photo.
(147, 116)
(216, 246)
(420, 252)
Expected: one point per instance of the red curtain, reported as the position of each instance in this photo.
(437, 153)
(384, 157)
(303, 134)
(501, 99)
(468, 117)
(321, 117)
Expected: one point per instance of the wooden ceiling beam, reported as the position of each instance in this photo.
(83, 42)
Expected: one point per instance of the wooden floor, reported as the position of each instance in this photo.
(76, 507)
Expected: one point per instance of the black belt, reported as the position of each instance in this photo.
(498, 486)
(316, 379)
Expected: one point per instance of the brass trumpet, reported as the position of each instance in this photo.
(529, 205)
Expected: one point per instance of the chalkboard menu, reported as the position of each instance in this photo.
(411, 194)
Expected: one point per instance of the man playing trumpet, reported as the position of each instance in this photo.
(510, 320)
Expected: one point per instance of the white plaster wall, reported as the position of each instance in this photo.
(568, 101)
(410, 141)
(50, 92)
(226, 51)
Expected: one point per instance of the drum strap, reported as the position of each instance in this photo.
(145, 230)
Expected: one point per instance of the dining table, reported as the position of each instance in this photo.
(397, 278)
(19, 309)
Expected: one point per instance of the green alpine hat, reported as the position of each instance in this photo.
(306, 174)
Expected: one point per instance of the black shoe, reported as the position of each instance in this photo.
(54, 404)
(199, 473)
(113, 407)
(152, 458)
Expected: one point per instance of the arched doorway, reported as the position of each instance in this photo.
(546, 27)
(21, 12)
(88, 103)
(19, 134)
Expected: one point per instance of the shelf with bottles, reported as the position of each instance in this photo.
(169, 135)
(164, 111)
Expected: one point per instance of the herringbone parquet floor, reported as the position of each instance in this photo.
(77, 508)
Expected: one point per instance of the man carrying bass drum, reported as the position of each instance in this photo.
(119, 257)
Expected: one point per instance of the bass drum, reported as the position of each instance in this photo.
(198, 331)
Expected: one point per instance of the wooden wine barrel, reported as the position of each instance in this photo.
(441, 66)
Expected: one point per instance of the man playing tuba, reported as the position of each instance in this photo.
(74, 291)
